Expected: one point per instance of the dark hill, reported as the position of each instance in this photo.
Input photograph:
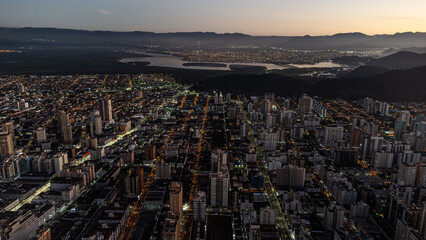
(400, 60)
(411, 49)
(398, 85)
(366, 71)
(395, 85)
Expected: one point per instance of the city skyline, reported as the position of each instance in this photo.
(173, 162)
(212, 120)
(280, 18)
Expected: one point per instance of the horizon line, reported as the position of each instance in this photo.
(219, 33)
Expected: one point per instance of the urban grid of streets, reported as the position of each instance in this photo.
(274, 166)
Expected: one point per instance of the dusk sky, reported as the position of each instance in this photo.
(256, 17)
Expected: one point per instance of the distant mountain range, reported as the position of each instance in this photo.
(53, 36)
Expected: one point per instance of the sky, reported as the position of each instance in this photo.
(255, 17)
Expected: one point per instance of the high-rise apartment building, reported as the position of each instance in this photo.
(291, 176)
(10, 129)
(356, 137)
(41, 135)
(219, 158)
(64, 127)
(271, 140)
(132, 183)
(200, 206)
(219, 189)
(176, 199)
(305, 104)
(334, 217)
(105, 110)
(267, 216)
(6, 145)
(405, 116)
(332, 134)
(98, 125)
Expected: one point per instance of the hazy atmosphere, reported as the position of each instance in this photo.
(268, 17)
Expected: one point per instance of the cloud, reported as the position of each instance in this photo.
(103, 11)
